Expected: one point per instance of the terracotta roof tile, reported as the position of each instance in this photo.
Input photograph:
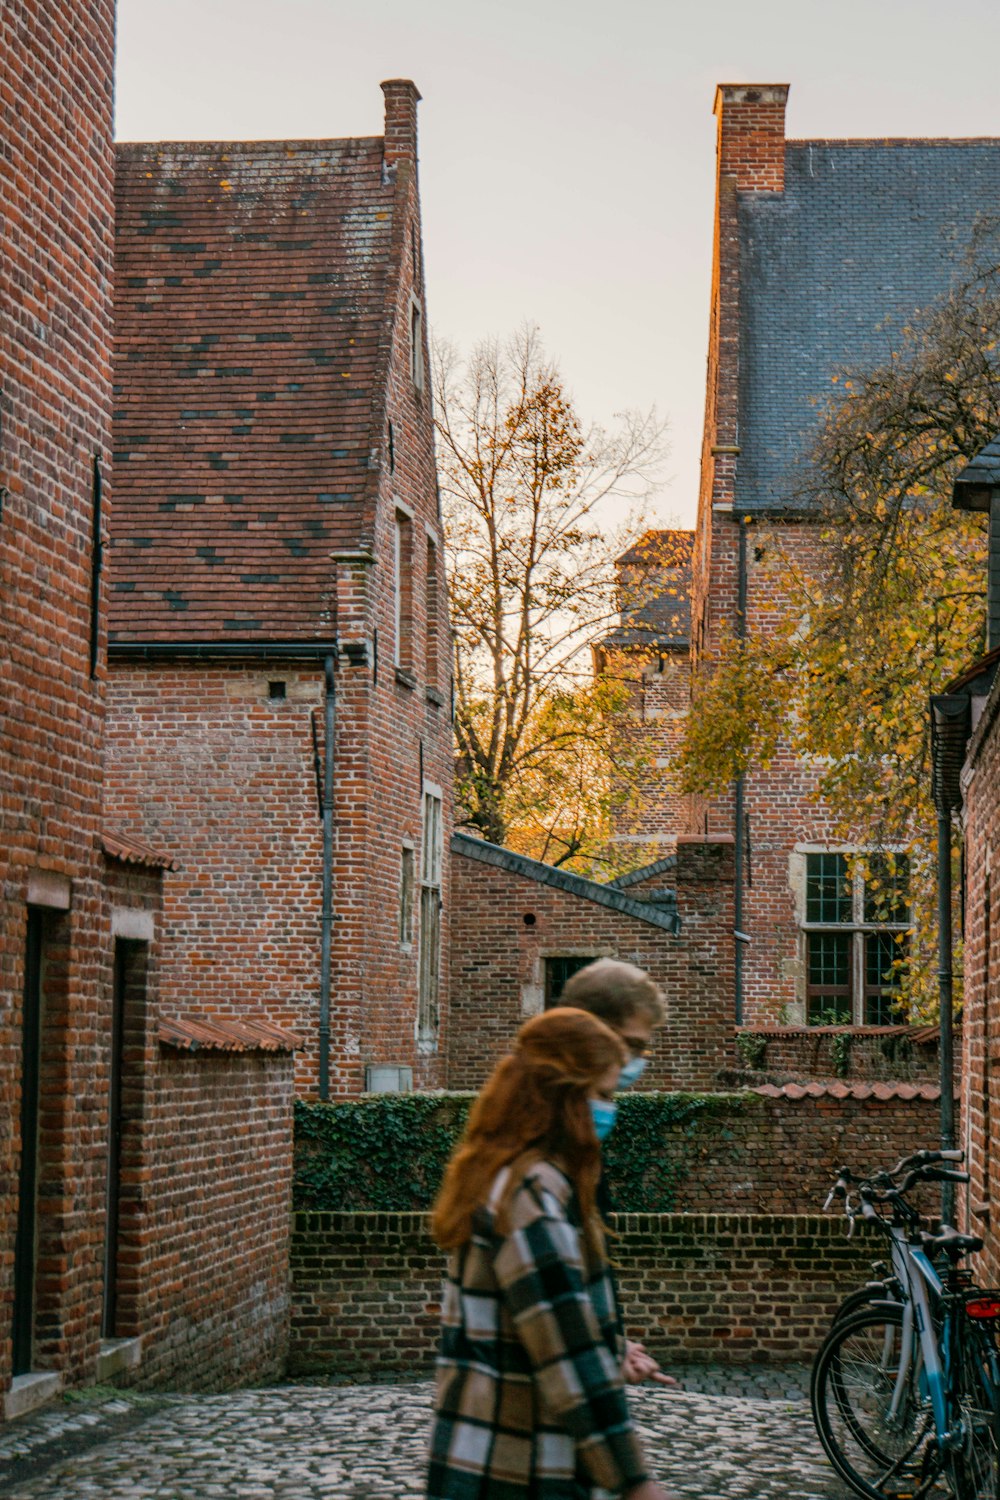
(251, 296)
(818, 1090)
(191, 1034)
(130, 851)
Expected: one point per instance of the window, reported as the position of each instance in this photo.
(431, 851)
(416, 345)
(433, 615)
(407, 869)
(558, 971)
(402, 592)
(856, 934)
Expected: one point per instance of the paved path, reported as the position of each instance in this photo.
(730, 1435)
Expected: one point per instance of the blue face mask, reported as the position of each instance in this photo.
(603, 1112)
(632, 1072)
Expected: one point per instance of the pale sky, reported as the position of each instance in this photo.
(566, 146)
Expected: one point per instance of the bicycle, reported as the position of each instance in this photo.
(906, 1393)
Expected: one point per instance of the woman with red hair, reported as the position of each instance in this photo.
(530, 1401)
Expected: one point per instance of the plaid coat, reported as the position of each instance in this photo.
(530, 1402)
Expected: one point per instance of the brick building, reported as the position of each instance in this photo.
(819, 245)
(649, 649)
(966, 781)
(147, 1152)
(279, 680)
(520, 928)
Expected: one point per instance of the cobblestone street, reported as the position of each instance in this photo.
(730, 1435)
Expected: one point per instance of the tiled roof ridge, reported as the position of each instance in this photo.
(817, 1090)
(403, 173)
(896, 140)
(575, 885)
(303, 143)
(232, 1034)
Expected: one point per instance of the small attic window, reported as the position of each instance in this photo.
(276, 691)
(416, 345)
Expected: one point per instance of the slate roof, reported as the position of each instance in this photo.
(251, 296)
(665, 618)
(865, 234)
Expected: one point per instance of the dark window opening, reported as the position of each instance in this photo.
(276, 690)
(558, 971)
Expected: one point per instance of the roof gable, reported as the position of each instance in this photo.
(253, 291)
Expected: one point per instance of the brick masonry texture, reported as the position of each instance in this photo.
(695, 1287)
(264, 507)
(208, 1252)
(198, 1266)
(883, 1053)
(506, 925)
(980, 1046)
(55, 418)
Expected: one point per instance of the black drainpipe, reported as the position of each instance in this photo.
(329, 751)
(950, 724)
(740, 937)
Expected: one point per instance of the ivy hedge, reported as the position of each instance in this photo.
(388, 1152)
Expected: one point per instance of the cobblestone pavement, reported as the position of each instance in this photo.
(730, 1435)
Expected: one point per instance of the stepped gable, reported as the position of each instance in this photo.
(862, 237)
(253, 294)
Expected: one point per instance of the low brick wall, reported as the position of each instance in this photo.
(883, 1053)
(695, 1287)
(205, 1231)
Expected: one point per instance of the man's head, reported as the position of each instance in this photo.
(622, 996)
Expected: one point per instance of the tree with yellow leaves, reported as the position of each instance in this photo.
(529, 498)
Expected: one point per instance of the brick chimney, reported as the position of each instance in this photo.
(401, 99)
(752, 134)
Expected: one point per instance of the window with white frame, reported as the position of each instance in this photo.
(856, 937)
(431, 859)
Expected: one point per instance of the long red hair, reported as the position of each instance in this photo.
(533, 1108)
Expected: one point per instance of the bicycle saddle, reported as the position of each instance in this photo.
(950, 1242)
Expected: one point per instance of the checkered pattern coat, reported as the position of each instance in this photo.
(530, 1401)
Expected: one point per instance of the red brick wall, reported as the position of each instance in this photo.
(695, 1287)
(980, 1046)
(208, 1233)
(55, 396)
(208, 767)
(497, 961)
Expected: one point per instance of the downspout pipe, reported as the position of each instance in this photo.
(329, 756)
(950, 724)
(945, 992)
(738, 801)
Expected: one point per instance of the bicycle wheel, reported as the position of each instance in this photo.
(871, 1413)
(973, 1468)
(862, 1299)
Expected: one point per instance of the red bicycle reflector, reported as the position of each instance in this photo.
(985, 1308)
